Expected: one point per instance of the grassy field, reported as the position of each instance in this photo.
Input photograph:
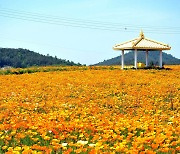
(90, 110)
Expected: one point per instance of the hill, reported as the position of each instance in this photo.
(26, 58)
(153, 59)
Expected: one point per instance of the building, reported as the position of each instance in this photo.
(141, 43)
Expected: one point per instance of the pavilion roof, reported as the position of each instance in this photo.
(142, 43)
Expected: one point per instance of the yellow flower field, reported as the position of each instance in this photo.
(91, 111)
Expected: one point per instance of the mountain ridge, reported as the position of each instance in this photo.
(25, 58)
(153, 58)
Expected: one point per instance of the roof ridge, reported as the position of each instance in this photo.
(125, 42)
(141, 36)
(157, 42)
(138, 40)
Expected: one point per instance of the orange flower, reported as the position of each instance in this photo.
(106, 109)
(154, 146)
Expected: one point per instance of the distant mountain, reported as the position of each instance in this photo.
(153, 58)
(26, 58)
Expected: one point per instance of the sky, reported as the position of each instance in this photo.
(85, 31)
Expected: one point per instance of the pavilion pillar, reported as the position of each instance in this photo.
(146, 58)
(122, 60)
(135, 58)
(160, 58)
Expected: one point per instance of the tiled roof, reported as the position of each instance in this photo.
(141, 43)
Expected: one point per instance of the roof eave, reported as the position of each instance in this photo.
(141, 48)
(122, 48)
(149, 48)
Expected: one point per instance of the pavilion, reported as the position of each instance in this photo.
(142, 44)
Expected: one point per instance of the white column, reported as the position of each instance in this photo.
(135, 58)
(122, 60)
(146, 58)
(160, 58)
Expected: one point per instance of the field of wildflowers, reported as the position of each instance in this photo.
(91, 111)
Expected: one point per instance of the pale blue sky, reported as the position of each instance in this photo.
(158, 19)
